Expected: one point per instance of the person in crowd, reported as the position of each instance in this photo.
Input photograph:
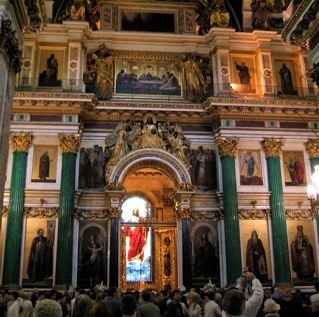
(174, 305)
(271, 308)
(13, 308)
(99, 309)
(233, 303)
(46, 308)
(148, 308)
(114, 302)
(211, 308)
(81, 305)
(129, 306)
(194, 309)
(253, 291)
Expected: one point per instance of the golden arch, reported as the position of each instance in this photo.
(150, 157)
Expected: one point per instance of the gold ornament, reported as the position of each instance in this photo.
(272, 147)
(69, 143)
(21, 142)
(227, 146)
(312, 147)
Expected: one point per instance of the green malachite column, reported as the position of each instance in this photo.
(20, 144)
(227, 149)
(69, 145)
(280, 245)
(312, 147)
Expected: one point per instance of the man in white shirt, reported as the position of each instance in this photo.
(13, 305)
(211, 308)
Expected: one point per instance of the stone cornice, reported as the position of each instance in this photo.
(261, 109)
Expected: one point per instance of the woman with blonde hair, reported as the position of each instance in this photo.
(194, 309)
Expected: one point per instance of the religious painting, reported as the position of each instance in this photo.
(44, 164)
(286, 77)
(302, 246)
(250, 167)
(204, 171)
(92, 253)
(243, 75)
(91, 166)
(51, 67)
(256, 250)
(148, 76)
(294, 168)
(205, 250)
(136, 240)
(39, 249)
(147, 21)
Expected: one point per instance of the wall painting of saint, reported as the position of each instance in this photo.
(294, 168)
(250, 167)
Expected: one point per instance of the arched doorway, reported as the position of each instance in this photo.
(156, 177)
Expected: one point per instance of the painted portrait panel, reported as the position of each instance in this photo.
(294, 168)
(302, 246)
(92, 253)
(147, 21)
(147, 76)
(38, 252)
(51, 67)
(205, 251)
(44, 165)
(250, 167)
(256, 251)
(91, 166)
(285, 77)
(243, 74)
(204, 170)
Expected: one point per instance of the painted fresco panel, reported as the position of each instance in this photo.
(44, 166)
(38, 252)
(302, 246)
(294, 168)
(92, 252)
(286, 78)
(205, 250)
(243, 74)
(250, 167)
(256, 249)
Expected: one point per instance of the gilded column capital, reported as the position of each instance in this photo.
(312, 147)
(21, 142)
(114, 213)
(272, 147)
(227, 146)
(69, 143)
(183, 213)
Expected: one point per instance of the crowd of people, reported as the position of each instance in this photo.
(247, 299)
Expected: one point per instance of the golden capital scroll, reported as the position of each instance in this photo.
(69, 143)
(227, 146)
(312, 147)
(21, 142)
(272, 147)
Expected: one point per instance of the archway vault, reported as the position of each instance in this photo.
(154, 158)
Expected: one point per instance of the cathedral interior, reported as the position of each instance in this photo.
(159, 144)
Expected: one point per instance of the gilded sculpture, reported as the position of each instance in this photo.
(69, 143)
(272, 147)
(227, 146)
(312, 147)
(21, 142)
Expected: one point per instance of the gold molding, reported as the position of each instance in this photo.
(312, 147)
(300, 214)
(5, 210)
(254, 214)
(214, 215)
(99, 214)
(41, 212)
(227, 146)
(69, 143)
(21, 142)
(272, 147)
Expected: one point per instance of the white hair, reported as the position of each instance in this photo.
(46, 308)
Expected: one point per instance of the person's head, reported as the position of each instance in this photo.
(176, 294)
(12, 296)
(209, 296)
(192, 297)
(146, 295)
(113, 292)
(40, 232)
(233, 302)
(82, 304)
(254, 236)
(128, 305)
(136, 212)
(270, 306)
(267, 293)
(47, 307)
(99, 309)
